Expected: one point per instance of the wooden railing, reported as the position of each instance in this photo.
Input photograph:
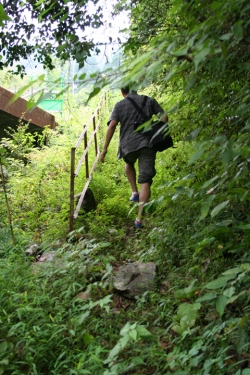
(95, 121)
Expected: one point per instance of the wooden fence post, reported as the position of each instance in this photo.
(72, 188)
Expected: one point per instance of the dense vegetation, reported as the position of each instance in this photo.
(195, 59)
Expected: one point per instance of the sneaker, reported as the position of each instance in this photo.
(138, 224)
(134, 197)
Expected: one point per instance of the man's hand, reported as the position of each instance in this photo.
(109, 135)
(164, 118)
(103, 154)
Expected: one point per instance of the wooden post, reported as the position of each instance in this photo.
(86, 156)
(72, 188)
(95, 136)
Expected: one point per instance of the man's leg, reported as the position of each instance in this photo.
(143, 198)
(131, 176)
(146, 173)
(130, 171)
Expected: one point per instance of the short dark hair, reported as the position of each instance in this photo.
(125, 90)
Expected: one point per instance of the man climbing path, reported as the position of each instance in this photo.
(134, 145)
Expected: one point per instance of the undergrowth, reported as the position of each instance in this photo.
(63, 317)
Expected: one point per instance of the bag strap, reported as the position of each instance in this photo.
(140, 111)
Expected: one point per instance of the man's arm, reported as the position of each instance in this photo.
(109, 135)
(158, 109)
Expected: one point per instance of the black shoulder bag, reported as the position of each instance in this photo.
(160, 140)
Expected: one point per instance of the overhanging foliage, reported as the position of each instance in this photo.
(40, 29)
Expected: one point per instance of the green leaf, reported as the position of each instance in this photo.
(102, 245)
(218, 208)
(186, 292)
(87, 338)
(124, 340)
(221, 303)
(234, 298)
(104, 301)
(205, 205)
(207, 241)
(246, 371)
(221, 282)
(204, 209)
(3, 16)
(226, 36)
(233, 271)
(143, 333)
(242, 109)
(228, 153)
(3, 346)
(113, 352)
(229, 292)
(244, 226)
(201, 56)
(223, 49)
(238, 30)
(94, 93)
(4, 361)
(133, 334)
(245, 266)
(196, 156)
(207, 297)
(209, 182)
(137, 361)
(185, 317)
(83, 317)
(223, 223)
(181, 52)
(125, 329)
(24, 88)
(82, 76)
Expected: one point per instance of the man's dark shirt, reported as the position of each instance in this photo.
(125, 113)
